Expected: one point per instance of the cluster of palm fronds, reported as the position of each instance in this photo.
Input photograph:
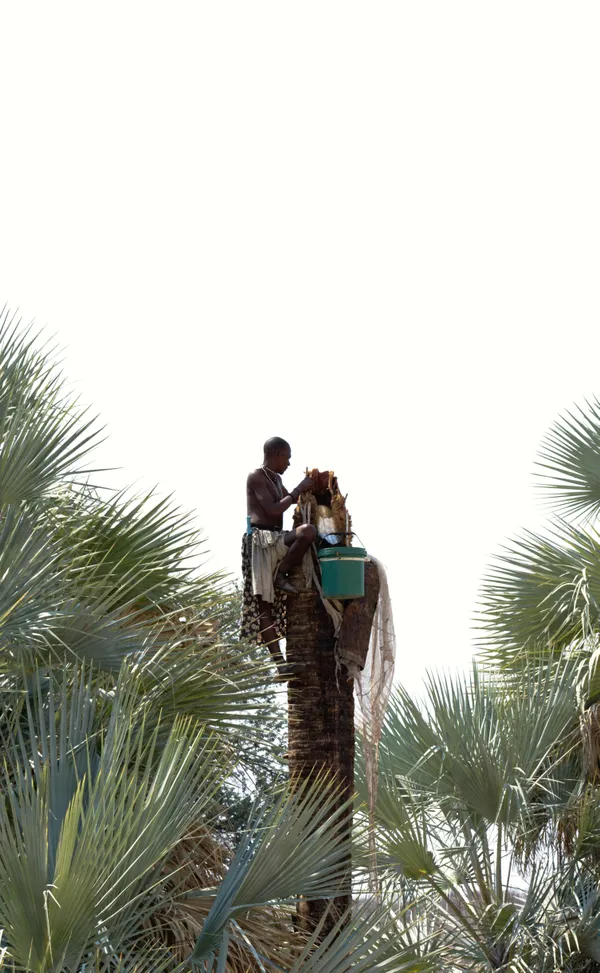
(543, 594)
(488, 811)
(126, 705)
(474, 789)
(128, 709)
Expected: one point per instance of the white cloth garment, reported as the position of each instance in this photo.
(268, 550)
(374, 685)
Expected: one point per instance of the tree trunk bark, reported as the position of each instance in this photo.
(321, 734)
(320, 718)
(355, 633)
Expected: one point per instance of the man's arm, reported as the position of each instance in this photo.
(274, 508)
(271, 507)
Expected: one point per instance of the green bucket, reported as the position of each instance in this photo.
(343, 572)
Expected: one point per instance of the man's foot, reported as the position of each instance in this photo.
(277, 657)
(283, 584)
(285, 672)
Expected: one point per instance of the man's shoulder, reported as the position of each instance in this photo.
(253, 477)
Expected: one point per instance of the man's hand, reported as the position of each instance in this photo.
(307, 484)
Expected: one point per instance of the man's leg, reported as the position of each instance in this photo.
(298, 542)
(269, 634)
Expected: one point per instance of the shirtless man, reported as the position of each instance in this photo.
(269, 552)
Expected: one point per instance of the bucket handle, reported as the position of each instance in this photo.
(347, 533)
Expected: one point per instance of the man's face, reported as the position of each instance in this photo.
(282, 460)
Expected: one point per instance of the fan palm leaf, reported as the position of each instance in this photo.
(91, 633)
(216, 683)
(541, 595)
(48, 606)
(138, 550)
(570, 460)
(87, 819)
(44, 434)
(476, 744)
(55, 599)
(475, 784)
(200, 862)
(300, 847)
(363, 940)
(32, 580)
(368, 941)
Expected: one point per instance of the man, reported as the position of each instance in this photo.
(269, 552)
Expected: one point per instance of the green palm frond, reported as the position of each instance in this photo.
(55, 600)
(91, 633)
(542, 594)
(135, 549)
(200, 862)
(581, 896)
(475, 746)
(365, 941)
(113, 579)
(404, 836)
(44, 434)
(43, 613)
(88, 818)
(466, 908)
(300, 847)
(144, 959)
(217, 683)
(570, 458)
(474, 785)
(31, 575)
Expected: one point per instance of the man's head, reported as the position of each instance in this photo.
(277, 454)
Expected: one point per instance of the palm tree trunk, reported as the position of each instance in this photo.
(321, 733)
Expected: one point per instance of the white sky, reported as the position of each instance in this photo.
(371, 228)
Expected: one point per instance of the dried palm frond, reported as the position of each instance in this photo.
(590, 738)
(326, 503)
(299, 847)
(200, 861)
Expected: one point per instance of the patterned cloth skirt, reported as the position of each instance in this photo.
(251, 624)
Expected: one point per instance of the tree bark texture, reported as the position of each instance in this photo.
(320, 716)
(321, 734)
(355, 633)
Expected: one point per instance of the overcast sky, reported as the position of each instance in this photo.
(371, 228)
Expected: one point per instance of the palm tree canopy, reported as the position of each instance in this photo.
(126, 704)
